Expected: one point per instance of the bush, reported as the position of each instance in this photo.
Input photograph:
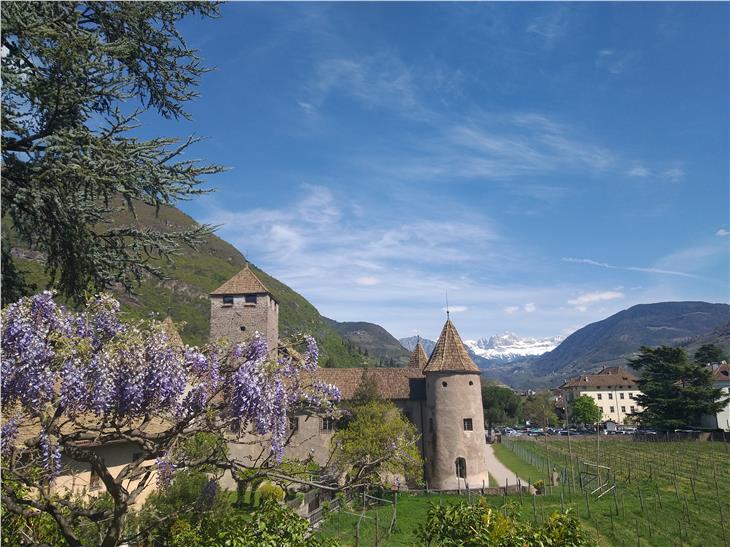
(479, 524)
(271, 491)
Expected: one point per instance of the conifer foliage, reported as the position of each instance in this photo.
(76, 78)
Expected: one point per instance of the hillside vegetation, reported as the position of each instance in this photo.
(183, 294)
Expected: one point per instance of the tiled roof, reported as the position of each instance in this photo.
(722, 373)
(418, 357)
(244, 282)
(612, 376)
(172, 332)
(450, 355)
(393, 383)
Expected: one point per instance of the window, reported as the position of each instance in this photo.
(228, 301)
(468, 425)
(461, 468)
(444, 384)
(243, 328)
(601, 409)
(621, 395)
(600, 396)
(623, 409)
(250, 299)
(632, 409)
(610, 395)
(471, 383)
(328, 424)
(612, 409)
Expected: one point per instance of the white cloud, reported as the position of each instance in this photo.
(367, 280)
(511, 310)
(638, 171)
(722, 232)
(530, 307)
(455, 309)
(581, 303)
(615, 62)
(673, 174)
(550, 27)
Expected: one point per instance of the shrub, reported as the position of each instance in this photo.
(270, 491)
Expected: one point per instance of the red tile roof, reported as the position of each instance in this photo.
(244, 282)
(393, 383)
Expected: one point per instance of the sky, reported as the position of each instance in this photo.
(545, 165)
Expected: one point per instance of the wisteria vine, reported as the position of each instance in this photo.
(58, 363)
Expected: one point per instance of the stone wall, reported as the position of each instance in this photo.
(452, 397)
(239, 321)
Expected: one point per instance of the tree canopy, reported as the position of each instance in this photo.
(501, 405)
(72, 74)
(674, 392)
(539, 409)
(585, 410)
(709, 353)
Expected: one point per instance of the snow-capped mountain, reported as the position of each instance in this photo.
(508, 346)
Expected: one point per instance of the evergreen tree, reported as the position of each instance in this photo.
(501, 405)
(675, 392)
(709, 353)
(72, 72)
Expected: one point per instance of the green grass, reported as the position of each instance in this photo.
(517, 465)
(492, 481)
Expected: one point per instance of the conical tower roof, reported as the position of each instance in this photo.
(450, 355)
(418, 357)
(244, 282)
(172, 332)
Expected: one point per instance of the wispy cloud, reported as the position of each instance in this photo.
(582, 302)
(722, 232)
(455, 309)
(615, 62)
(628, 268)
(367, 280)
(550, 27)
(638, 171)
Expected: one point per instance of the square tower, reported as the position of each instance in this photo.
(243, 306)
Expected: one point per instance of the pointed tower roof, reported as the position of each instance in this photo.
(244, 282)
(450, 355)
(418, 357)
(172, 332)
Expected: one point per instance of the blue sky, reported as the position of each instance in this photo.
(547, 164)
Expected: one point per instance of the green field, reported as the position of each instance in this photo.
(666, 493)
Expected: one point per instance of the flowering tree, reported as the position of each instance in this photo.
(74, 381)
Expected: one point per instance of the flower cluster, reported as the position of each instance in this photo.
(64, 363)
(165, 472)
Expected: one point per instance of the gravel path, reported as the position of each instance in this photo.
(499, 471)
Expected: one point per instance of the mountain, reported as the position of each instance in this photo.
(508, 347)
(615, 339)
(194, 273)
(410, 344)
(373, 341)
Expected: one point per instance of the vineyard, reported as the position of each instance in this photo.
(660, 492)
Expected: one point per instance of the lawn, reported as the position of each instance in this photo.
(517, 465)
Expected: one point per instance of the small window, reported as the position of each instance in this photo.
(243, 328)
(600, 396)
(621, 395)
(444, 384)
(633, 409)
(623, 409)
(228, 301)
(612, 409)
(327, 424)
(610, 395)
(468, 425)
(471, 383)
(250, 299)
(461, 468)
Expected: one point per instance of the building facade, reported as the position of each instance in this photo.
(613, 389)
(440, 395)
(721, 380)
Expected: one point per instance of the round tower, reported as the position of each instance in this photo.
(455, 441)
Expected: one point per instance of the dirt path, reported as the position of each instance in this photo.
(499, 471)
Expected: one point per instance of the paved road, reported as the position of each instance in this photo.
(499, 471)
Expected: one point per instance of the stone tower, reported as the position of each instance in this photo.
(418, 357)
(455, 444)
(243, 306)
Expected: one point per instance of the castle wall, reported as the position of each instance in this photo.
(226, 320)
(445, 436)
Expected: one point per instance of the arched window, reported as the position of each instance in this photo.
(461, 468)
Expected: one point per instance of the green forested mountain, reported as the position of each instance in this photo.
(373, 341)
(194, 273)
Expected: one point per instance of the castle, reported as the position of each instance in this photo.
(440, 395)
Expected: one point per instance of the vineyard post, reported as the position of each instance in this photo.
(638, 537)
(658, 495)
(588, 505)
(641, 499)
(534, 509)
